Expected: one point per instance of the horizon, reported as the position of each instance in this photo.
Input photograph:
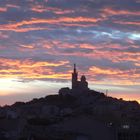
(45, 88)
(40, 40)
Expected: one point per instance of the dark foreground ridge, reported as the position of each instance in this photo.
(78, 113)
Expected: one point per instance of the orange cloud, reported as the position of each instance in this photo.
(111, 12)
(30, 69)
(137, 64)
(67, 21)
(38, 8)
(87, 46)
(116, 56)
(58, 11)
(23, 47)
(116, 76)
(22, 30)
(128, 23)
(97, 70)
(57, 20)
(114, 12)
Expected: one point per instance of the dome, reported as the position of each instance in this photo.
(83, 78)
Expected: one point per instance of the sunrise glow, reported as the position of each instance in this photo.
(41, 40)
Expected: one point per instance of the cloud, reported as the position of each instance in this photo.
(63, 21)
(121, 77)
(102, 34)
(29, 69)
(3, 9)
(108, 11)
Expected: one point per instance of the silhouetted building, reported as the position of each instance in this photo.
(74, 78)
(78, 87)
(83, 84)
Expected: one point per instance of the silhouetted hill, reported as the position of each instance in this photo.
(72, 113)
(70, 101)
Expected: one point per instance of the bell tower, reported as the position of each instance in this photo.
(74, 78)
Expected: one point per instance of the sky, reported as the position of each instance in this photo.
(40, 40)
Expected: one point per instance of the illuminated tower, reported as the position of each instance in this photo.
(74, 78)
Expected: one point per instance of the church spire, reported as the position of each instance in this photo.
(74, 68)
(74, 77)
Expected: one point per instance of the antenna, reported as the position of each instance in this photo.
(106, 92)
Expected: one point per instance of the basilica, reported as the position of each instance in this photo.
(78, 87)
(82, 84)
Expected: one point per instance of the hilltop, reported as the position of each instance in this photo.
(55, 111)
(78, 113)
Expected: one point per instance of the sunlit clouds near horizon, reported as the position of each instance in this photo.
(40, 40)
